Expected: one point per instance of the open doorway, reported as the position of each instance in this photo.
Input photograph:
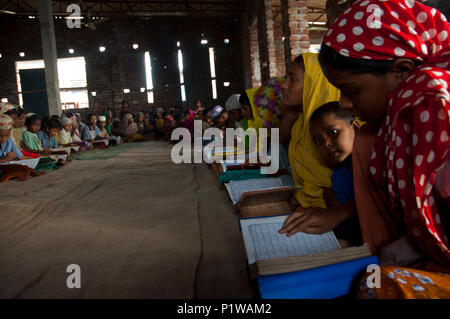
(71, 76)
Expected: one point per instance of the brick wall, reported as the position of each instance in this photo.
(298, 25)
(279, 48)
(120, 66)
(273, 67)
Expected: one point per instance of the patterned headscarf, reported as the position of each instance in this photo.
(413, 142)
(268, 98)
(5, 107)
(6, 123)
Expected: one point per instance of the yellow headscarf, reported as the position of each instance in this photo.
(257, 121)
(307, 168)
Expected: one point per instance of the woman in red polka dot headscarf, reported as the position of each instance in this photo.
(390, 59)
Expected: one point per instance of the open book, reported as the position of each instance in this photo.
(270, 252)
(236, 189)
(104, 141)
(31, 163)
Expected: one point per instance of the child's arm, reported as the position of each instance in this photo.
(43, 152)
(317, 220)
(85, 135)
(67, 145)
(8, 157)
(25, 147)
(330, 199)
(293, 202)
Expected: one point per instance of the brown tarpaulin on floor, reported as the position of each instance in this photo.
(138, 225)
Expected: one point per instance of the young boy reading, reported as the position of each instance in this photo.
(103, 132)
(47, 136)
(8, 149)
(333, 132)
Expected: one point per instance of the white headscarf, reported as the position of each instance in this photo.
(232, 103)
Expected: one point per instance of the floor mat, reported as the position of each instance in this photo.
(137, 225)
(99, 154)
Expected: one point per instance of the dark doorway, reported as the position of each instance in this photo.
(34, 91)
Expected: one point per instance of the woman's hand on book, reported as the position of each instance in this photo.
(313, 220)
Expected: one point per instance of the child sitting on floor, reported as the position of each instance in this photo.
(65, 134)
(168, 126)
(130, 130)
(30, 140)
(18, 115)
(333, 132)
(101, 123)
(143, 128)
(129, 126)
(90, 131)
(8, 149)
(159, 123)
(80, 124)
(103, 132)
(47, 136)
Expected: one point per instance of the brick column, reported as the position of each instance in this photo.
(266, 40)
(279, 48)
(273, 69)
(295, 27)
(254, 54)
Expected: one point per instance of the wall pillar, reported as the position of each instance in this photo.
(50, 56)
(254, 54)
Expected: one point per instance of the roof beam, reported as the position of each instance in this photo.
(125, 7)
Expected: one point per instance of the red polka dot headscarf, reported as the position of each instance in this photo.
(384, 30)
(413, 141)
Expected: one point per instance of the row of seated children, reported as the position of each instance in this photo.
(147, 125)
(19, 143)
(27, 136)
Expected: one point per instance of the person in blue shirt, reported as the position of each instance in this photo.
(91, 130)
(333, 132)
(8, 149)
(47, 136)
